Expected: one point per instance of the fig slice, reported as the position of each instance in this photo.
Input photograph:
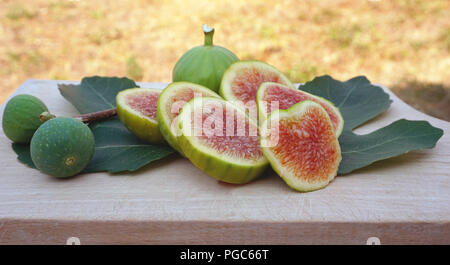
(301, 145)
(170, 102)
(272, 96)
(242, 79)
(136, 108)
(220, 139)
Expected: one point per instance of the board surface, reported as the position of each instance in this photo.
(403, 200)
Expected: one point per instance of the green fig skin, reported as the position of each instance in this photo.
(62, 147)
(21, 117)
(217, 168)
(205, 64)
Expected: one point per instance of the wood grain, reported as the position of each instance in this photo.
(400, 200)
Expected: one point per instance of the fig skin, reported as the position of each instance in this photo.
(62, 147)
(218, 166)
(205, 64)
(145, 128)
(21, 117)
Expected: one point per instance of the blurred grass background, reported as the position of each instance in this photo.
(402, 44)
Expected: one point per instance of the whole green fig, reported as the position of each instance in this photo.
(62, 147)
(205, 64)
(21, 117)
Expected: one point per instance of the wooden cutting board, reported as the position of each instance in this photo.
(401, 200)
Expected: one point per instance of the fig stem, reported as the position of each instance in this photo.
(45, 116)
(95, 116)
(209, 33)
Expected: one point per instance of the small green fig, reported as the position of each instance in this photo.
(21, 117)
(62, 147)
(205, 64)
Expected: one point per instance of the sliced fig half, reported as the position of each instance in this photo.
(272, 96)
(136, 108)
(170, 102)
(301, 145)
(242, 79)
(220, 139)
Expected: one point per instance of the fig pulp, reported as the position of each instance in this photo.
(272, 96)
(301, 145)
(136, 108)
(242, 80)
(170, 102)
(221, 140)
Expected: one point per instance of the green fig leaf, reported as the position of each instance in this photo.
(23, 154)
(95, 93)
(359, 101)
(395, 139)
(116, 148)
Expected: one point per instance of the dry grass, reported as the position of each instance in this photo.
(397, 43)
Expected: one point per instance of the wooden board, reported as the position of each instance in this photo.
(400, 200)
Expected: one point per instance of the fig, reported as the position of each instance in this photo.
(170, 102)
(136, 108)
(62, 147)
(301, 145)
(272, 96)
(205, 64)
(220, 139)
(21, 117)
(242, 79)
